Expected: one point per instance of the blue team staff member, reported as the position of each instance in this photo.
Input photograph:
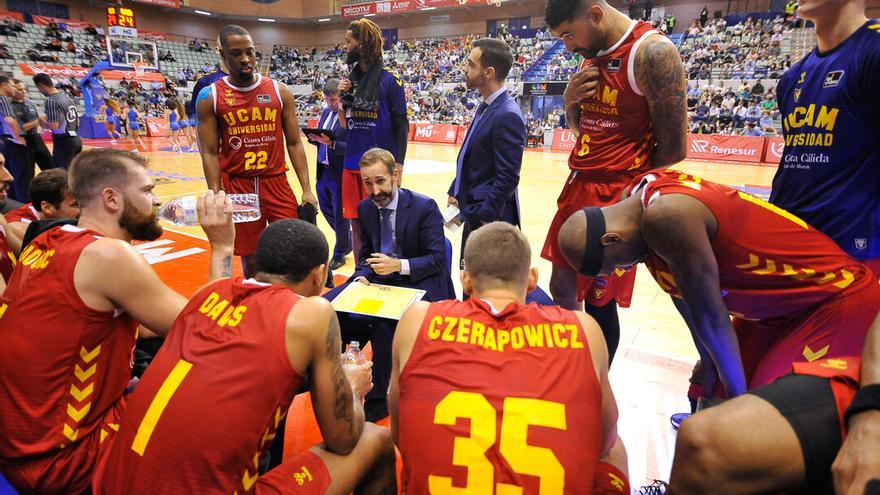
(62, 117)
(373, 111)
(829, 174)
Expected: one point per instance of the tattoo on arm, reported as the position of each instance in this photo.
(661, 77)
(343, 406)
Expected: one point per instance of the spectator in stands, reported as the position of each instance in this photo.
(753, 113)
(704, 16)
(168, 57)
(752, 129)
(766, 120)
(4, 52)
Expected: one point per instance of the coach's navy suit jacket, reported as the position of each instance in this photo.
(418, 238)
(491, 166)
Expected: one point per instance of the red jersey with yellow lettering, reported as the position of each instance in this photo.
(770, 262)
(615, 137)
(25, 214)
(251, 127)
(63, 365)
(491, 398)
(211, 401)
(7, 258)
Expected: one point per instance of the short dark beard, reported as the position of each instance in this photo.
(352, 57)
(141, 227)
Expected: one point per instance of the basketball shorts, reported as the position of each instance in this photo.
(579, 192)
(304, 474)
(353, 192)
(813, 399)
(832, 328)
(277, 202)
(70, 469)
(173, 126)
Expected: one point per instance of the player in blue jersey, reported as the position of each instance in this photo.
(203, 82)
(373, 111)
(829, 174)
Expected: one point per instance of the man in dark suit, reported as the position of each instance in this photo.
(490, 159)
(331, 153)
(402, 244)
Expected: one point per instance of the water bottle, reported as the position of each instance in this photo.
(181, 211)
(353, 355)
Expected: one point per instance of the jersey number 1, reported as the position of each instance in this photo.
(517, 415)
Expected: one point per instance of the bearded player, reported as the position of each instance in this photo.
(65, 365)
(244, 120)
(627, 105)
(467, 409)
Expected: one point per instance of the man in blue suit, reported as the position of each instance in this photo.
(490, 159)
(331, 154)
(402, 244)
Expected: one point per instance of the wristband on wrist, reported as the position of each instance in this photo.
(866, 399)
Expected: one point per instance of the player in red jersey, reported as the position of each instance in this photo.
(460, 367)
(244, 120)
(821, 419)
(7, 241)
(64, 365)
(794, 294)
(627, 105)
(50, 198)
(212, 400)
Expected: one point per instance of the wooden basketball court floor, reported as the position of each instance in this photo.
(650, 373)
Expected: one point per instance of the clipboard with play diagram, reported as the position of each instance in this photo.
(381, 301)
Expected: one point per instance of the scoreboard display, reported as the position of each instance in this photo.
(120, 21)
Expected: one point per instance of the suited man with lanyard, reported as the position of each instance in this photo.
(402, 244)
(490, 159)
(331, 154)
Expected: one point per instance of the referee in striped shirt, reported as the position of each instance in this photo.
(29, 124)
(14, 150)
(63, 118)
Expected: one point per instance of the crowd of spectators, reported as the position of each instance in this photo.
(751, 49)
(749, 110)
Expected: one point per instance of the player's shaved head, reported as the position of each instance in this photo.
(291, 249)
(498, 255)
(96, 169)
(571, 239)
(228, 31)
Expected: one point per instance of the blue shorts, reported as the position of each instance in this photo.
(111, 120)
(183, 124)
(192, 122)
(173, 126)
(134, 127)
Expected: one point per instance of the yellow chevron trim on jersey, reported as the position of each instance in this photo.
(83, 375)
(828, 277)
(78, 414)
(811, 356)
(70, 433)
(88, 356)
(158, 405)
(78, 394)
(769, 268)
(848, 278)
(807, 273)
(754, 262)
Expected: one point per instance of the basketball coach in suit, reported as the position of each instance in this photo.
(489, 162)
(402, 244)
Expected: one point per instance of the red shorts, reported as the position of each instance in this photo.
(69, 470)
(277, 202)
(353, 192)
(579, 192)
(833, 328)
(304, 474)
(874, 265)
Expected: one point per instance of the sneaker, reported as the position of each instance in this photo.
(677, 418)
(658, 487)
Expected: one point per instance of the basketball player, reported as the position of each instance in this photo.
(244, 120)
(230, 387)
(51, 198)
(627, 106)
(64, 366)
(796, 427)
(830, 121)
(373, 110)
(794, 294)
(461, 366)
